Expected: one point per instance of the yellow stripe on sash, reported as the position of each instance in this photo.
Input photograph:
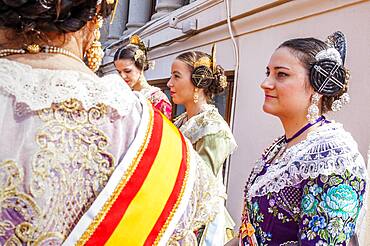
(155, 191)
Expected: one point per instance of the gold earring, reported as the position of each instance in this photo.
(196, 95)
(94, 55)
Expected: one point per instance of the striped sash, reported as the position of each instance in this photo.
(144, 192)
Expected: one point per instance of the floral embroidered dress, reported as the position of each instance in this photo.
(64, 134)
(214, 142)
(158, 99)
(311, 195)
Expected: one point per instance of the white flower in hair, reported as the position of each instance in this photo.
(138, 54)
(331, 54)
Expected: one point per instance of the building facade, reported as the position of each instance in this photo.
(171, 27)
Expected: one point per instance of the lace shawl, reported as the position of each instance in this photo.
(328, 150)
(208, 122)
(39, 88)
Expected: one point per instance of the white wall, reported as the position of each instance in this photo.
(260, 26)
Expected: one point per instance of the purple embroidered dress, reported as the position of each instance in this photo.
(310, 195)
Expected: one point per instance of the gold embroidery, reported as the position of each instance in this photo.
(70, 168)
(108, 204)
(18, 206)
(72, 161)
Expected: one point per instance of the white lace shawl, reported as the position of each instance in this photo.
(327, 150)
(39, 88)
(208, 122)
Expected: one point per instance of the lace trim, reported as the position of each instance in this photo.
(39, 88)
(204, 205)
(208, 122)
(328, 150)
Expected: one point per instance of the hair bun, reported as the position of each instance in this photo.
(328, 77)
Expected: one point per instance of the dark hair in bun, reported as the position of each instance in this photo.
(327, 76)
(128, 52)
(202, 76)
(40, 16)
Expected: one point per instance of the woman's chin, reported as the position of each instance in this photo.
(268, 109)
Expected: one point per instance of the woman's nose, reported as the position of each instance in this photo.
(267, 84)
(123, 75)
(169, 83)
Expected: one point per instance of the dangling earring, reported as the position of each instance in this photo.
(313, 109)
(196, 95)
(94, 54)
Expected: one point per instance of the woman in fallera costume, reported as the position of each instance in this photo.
(83, 159)
(195, 79)
(131, 61)
(308, 187)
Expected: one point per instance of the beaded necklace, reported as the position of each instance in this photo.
(35, 49)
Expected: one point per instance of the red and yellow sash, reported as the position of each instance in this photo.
(144, 201)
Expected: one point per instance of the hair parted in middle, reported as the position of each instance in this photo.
(135, 51)
(206, 74)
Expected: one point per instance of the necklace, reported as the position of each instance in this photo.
(35, 49)
(300, 131)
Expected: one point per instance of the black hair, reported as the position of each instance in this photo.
(128, 52)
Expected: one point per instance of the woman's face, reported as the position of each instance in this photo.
(286, 87)
(129, 72)
(181, 87)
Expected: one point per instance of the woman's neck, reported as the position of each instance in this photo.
(292, 125)
(193, 108)
(141, 84)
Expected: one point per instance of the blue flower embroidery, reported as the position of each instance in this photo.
(349, 229)
(315, 189)
(317, 223)
(309, 204)
(340, 201)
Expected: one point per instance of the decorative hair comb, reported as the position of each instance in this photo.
(141, 52)
(205, 70)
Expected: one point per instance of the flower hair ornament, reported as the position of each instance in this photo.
(328, 76)
(205, 71)
(141, 54)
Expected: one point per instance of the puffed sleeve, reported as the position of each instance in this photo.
(214, 149)
(165, 107)
(330, 207)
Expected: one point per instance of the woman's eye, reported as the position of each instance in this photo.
(267, 73)
(282, 75)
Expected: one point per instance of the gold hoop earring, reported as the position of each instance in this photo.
(94, 55)
(196, 95)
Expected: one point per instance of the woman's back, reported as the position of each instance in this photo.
(62, 136)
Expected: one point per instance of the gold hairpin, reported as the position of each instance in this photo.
(214, 64)
(203, 61)
(135, 39)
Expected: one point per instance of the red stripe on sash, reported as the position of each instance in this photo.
(175, 195)
(117, 211)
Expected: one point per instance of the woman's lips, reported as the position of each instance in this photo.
(270, 96)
